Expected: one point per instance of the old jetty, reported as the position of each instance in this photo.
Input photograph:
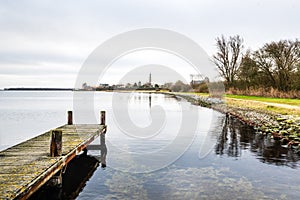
(25, 167)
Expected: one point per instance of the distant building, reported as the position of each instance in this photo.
(103, 85)
(120, 86)
(85, 86)
(197, 79)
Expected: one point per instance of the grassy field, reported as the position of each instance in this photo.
(293, 102)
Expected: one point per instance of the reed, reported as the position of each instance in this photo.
(265, 92)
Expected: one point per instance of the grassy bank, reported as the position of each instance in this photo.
(295, 102)
(269, 105)
(282, 106)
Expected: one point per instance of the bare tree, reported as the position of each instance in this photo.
(228, 57)
(279, 60)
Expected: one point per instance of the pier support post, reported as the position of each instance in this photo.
(103, 151)
(70, 118)
(56, 180)
(102, 117)
(56, 143)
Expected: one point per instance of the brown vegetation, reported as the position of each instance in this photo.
(264, 92)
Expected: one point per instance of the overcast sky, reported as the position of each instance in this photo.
(44, 43)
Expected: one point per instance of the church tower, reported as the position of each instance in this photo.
(150, 79)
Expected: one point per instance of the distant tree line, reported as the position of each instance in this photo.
(178, 86)
(276, 65)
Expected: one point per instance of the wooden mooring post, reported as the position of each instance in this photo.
(56, 150)
(102, 117)
(70, 118)
(56, 143)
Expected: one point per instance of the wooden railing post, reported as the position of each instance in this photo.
(70, 118)
(56, 143)
(102, 117)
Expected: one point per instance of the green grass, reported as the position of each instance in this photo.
(294, 102)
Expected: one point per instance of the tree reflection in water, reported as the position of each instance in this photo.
(237, 136)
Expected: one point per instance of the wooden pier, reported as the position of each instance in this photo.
(25, 167)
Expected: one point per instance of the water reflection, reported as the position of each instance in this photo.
(78, 172)
(236, 137)
(228, 140)
(150, 100)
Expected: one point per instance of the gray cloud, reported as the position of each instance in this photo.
(63, 33)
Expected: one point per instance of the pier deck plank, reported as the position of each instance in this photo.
(27, 166)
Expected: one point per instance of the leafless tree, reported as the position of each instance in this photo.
(228, 57)
(279, 60)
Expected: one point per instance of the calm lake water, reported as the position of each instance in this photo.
(222, 159)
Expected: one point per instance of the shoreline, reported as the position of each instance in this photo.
(282, 128)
